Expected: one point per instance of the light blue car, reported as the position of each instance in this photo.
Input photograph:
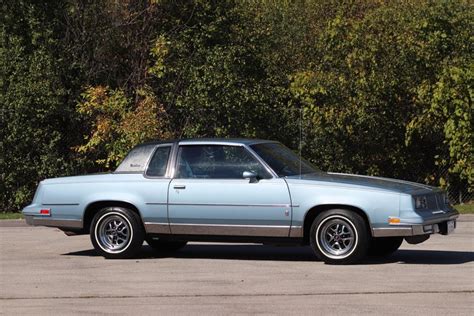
(238, 190)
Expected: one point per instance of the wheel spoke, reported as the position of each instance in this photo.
(337, 237)
(113, 233)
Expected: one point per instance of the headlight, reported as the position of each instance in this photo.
(420, 202)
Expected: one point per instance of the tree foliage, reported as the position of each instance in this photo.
(117, 126)
(382, 87)
(36, 117)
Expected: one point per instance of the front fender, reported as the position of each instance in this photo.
(376, 205)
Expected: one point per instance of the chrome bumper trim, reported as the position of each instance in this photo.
(406, 231)
(396, 231)
(50, 222)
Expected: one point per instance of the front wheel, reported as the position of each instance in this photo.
(117, 233)
(339, 237)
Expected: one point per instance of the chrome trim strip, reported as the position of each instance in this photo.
(37, 214)
(220, 143)
(235, 205)
(157, 228)
(296, 231)
(66, 223)
(232, 230)
(207, 142)
(59, 204)
(156, 203)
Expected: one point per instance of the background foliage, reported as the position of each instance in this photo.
(382, 87)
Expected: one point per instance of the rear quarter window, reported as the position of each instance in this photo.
(159, 162)
(136, 160)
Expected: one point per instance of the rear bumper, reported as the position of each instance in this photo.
(35, 217)
(52, 222)
(439, 225)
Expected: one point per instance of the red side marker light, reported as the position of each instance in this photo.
(45, 211)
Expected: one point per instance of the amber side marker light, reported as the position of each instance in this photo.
(393, 220)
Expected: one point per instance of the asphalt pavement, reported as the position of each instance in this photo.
(42, 271)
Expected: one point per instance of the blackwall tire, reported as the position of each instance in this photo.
(117, 233)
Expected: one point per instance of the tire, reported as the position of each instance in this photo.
(165, 245)
(339, 237)
(117, 233)
(384, 246)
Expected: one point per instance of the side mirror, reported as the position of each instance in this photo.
(250, 175)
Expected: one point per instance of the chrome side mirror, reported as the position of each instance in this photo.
(253, 178)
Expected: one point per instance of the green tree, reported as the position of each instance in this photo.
(34, 117)
(118, 125)
(362, 88)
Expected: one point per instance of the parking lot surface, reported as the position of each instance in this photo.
(42, 271)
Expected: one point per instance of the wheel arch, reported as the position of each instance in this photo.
(318, 209)
(93, 207)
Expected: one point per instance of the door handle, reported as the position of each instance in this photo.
(179, 187)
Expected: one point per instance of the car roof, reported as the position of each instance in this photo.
(184, 141)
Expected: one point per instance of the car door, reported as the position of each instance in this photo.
(209, 196)
(154, 191)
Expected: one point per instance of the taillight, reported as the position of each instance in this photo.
(45, 211)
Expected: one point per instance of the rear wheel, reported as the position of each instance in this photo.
(165, 245)
(339, 237)
(116, 233)
(384, 246)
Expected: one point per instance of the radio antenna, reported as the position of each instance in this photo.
(301, 135)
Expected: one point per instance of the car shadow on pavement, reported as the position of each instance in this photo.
(278, 253)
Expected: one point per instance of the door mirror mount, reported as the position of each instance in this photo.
(253, 178)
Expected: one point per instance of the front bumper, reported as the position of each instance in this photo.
(428, 227)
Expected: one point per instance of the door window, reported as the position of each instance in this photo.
(217, 162)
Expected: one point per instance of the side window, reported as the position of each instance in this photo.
(157, 166)
(217, 162)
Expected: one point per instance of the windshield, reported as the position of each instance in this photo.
(282, 160)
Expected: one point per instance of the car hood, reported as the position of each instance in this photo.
(378, 183)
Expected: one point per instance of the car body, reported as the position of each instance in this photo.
(245, 190)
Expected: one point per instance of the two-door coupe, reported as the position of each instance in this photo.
(242, 190)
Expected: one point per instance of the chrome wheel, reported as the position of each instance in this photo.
(113, 232)
(337, 237)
